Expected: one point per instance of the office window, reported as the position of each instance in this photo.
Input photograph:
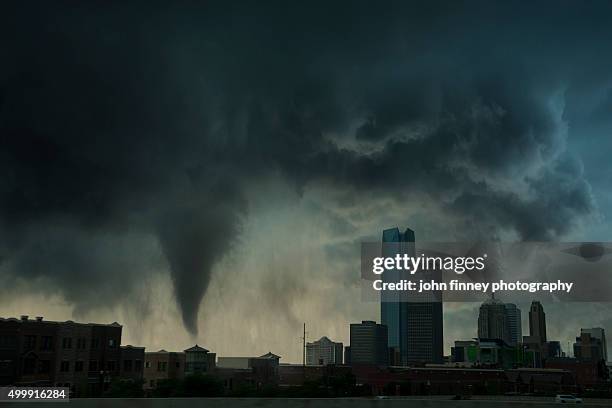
(93, 365)
(65, 366)
(78, 366)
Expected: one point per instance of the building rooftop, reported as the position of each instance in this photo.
(196, 348)
(40, 319)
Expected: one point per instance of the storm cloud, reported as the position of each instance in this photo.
(128, 130)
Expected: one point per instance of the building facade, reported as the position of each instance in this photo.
(369, 344)
(324, 352)
(600, 334)
(85, 357)
(514, 321)
(414, 321)
(493, 320)
(162, 365)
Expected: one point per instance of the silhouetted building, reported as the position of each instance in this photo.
(537, 322)
(162, 365)
(83, 356)
(198, 360)
(514, 322)
(493, 320)
(132, 361)
(324, 352)
(414, 321)
(256, 371)
(588, 348)
(598, 333)
(369, 343)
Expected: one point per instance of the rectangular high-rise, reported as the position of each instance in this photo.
(368, 343)
(414, 321)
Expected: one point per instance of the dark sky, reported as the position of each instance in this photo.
(185, 147)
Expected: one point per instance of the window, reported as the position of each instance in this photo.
(67, 343)
(30, 342)
(81, 343)
(127, 365)
(110, 365)
(46, 343)
(65, 366)
(178, 364)
(29, 364)
(137, 365)
(112, 343)
(93, 365)
(162, 365)
(8, 342)
(78, 366)
(152, 383)
(95, 343)
(147, 364)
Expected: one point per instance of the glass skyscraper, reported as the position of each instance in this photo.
(414, 321)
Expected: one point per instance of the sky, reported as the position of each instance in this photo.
(206, 171)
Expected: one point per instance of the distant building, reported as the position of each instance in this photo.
(598, 333)
(486, 352)
(537, 322)
(256, 371)
(163, 365)
(369, 343)
(493, 321)
(414, 321)
(83, 356)
(588, 348)
(514, 322)
(198, 360)
(324, 352)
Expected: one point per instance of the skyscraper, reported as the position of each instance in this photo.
(501, 321)
(537, 322)
(514, 321)
(588, 347)
(415, 325)
(493, 321)
(599, 334)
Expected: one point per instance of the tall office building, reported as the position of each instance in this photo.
(368, 344)
(324, 352)
(514, 321)
(493, 321)
(414, 321)
(500, 321)
(599, 334)
(537, 322)
(588, 347)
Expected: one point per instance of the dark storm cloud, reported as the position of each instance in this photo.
(146, 120)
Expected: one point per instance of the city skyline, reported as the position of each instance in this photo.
(205, 173)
